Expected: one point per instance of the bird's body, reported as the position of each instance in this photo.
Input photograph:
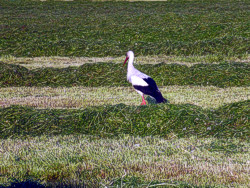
(142, 83)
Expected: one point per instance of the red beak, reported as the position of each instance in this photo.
(125, 61)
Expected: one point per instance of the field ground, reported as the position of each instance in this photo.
(71, 159)
(68, 117)
(125, 161)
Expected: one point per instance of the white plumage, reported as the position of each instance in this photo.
(135, 80)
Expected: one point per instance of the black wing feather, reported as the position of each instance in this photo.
(151, 83)
(151, 90)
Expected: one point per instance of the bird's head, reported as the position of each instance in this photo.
(130, 54)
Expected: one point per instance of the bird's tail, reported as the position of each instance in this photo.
(160, 99)
(163, 100)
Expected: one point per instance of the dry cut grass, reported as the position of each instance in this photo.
(81, 97)
(73, 159)
(63, 62)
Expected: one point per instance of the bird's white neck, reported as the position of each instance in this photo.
(130, 63)
(131, 68)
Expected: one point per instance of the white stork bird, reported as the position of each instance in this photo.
(142, 83)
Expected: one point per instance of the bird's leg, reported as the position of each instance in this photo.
(143, 100)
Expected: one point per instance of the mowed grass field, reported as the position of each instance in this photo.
(68, 117)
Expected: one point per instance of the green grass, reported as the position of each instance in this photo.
(108, 74)
(183, 120)
(91, 29)
(127, 160)
(83, 97)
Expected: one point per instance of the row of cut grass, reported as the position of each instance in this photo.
(231, 120)
(82, 97)
(85, 28)
(109, 74)
(63, 62)
(78, 160)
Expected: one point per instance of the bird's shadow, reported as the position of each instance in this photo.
(150, 100)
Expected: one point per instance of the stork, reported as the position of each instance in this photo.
(142, 83)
